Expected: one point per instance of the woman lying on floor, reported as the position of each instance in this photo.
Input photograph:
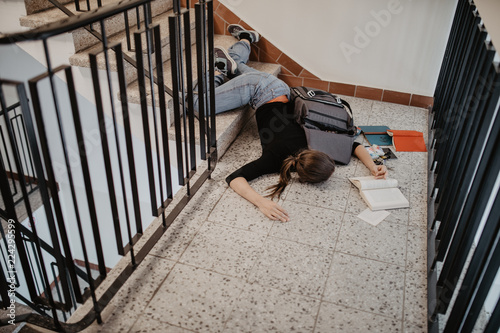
(283, 140)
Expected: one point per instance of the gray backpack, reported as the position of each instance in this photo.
(327, 120)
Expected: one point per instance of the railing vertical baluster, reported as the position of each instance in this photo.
(4, 287)
(28, 150)
(206, 51)
(494, 323)
(105, 151)
(182, 91)
(127, 30)
(145, 122)
(62, 228)
(117, 143)
(128, 136)
(90, 195)
(56, 285)
(163, 114)
(8, 160)
(20, 148)
(150, 49)
(201, 66)
(189, 88)
(211, 71)
(174, 59)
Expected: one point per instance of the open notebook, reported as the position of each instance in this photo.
(380, 193)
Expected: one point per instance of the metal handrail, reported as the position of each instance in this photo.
(71, 23)
(37, 115)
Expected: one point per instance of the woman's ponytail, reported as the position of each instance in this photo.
(312, 166)
(288, 165)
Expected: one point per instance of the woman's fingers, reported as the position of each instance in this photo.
(274, 211)
(279, 214)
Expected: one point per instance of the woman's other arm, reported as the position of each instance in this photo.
(378, 171)
(268, 207)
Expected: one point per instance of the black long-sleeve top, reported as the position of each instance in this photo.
(280, 136)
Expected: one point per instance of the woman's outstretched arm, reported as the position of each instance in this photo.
(268, 207)
(378, 171)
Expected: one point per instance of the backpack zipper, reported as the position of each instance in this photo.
(329, 116)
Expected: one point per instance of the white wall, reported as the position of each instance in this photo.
(388, 44)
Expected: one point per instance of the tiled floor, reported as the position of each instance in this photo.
(224, 267)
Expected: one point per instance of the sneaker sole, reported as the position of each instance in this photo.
(255, 33)
(234, 65)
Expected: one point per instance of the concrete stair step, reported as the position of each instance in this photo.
(82, 38)
(35, 6)
(133, 87)
(81, 59)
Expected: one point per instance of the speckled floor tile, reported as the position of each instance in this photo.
(331, 194)
(415, 328)
(395, 116)
(361, 107)
(404, 157)
(177, 237)
(366, 285)
(309, 225)
(415, 308)
(346, 171)
(131, 300)
(402, 173)
(418, 212)
(355, 203)
(385, 242)
(416, 252)
(234, 211)
(224, 249)
(293, 267)
(147, 324)
(337, 318)
(262, 309)
(195, 299)
(422, 120)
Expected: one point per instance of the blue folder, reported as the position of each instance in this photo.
(377, 135)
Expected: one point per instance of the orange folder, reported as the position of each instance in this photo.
(408, 140)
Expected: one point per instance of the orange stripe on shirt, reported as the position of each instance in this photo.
(281, 98)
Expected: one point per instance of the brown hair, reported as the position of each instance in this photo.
(312, 166)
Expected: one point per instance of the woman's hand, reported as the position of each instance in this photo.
(272, 210)
(379, 171)
(268, 207)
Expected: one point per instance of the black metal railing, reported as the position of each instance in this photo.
(15, 131)
(464, 212)
(101, 168)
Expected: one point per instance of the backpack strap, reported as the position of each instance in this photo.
(348, 107)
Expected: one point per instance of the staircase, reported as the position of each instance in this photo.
(125, 177)
(42, 12)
